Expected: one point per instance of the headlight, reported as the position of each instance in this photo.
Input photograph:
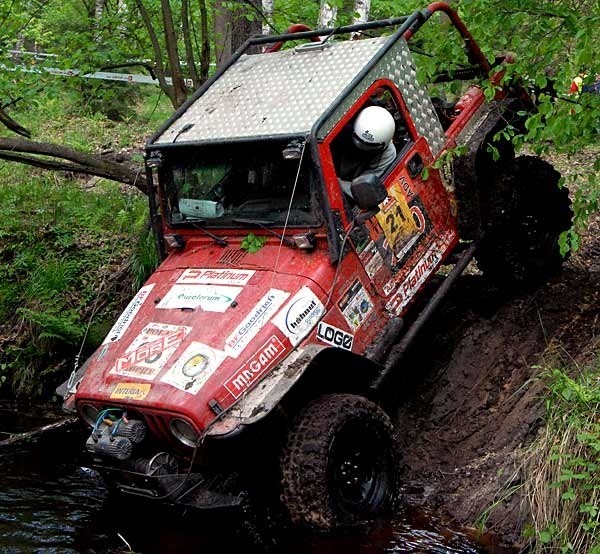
(89, 414)
(184, 432)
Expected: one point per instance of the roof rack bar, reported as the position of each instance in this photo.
(391, 22)
(474, 53)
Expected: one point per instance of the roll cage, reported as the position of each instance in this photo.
(406, 27)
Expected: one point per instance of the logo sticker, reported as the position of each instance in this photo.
(237, 277)
(254, 321)
(264, 358)
(210, 298)
(125, 319)
(194, 367)
(150, 350)
(415, 278)
(131, 391)
(356, 305)
(299, 315)
(336, 337)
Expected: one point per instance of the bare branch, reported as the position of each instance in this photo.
(32, 153)
(11, 124)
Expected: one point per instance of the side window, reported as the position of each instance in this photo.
(350, 161)
(384, 98)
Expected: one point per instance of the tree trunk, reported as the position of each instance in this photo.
(187, 41)
(41, 154)
(99, 9)
(361, 10)
(179, 92)
(205, 50)
(267, 9)
(327, 15)
(232, 28)
(157, 51)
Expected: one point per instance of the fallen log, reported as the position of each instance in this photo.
(35, 435)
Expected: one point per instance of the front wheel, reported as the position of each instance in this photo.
(340, 464)
(527, 211)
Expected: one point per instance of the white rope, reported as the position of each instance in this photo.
(287, 216)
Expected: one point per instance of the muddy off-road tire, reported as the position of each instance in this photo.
(526, 213)
(340, 465)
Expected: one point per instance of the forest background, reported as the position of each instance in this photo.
(74, 237)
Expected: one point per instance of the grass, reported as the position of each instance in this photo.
(70, 258)
(562, 468)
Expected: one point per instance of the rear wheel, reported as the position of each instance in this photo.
(340, 464)
(527, 211)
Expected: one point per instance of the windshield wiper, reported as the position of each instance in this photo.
(264, 224)
(199, 224)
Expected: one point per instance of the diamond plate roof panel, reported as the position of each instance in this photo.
(397, 65)
(273, 94)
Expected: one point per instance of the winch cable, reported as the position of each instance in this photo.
(287, 216)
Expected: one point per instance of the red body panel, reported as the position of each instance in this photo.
(202, 317)
(211, 322)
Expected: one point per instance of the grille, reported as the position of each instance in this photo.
(159, 425)
(232, 257)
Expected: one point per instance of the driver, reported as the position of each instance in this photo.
(372, 149)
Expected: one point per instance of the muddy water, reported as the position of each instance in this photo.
(50, 504)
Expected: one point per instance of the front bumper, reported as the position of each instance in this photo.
(191, 490)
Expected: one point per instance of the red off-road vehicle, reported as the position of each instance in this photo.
(254, 354)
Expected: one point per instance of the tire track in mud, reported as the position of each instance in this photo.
(470, 403)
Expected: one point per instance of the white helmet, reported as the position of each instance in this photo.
(373, 129)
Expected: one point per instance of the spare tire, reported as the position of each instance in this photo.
(340, 465)
(526, 213)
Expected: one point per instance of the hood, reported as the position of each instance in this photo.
(198, 335)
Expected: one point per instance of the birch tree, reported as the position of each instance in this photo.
(328, 13)
(267, 10)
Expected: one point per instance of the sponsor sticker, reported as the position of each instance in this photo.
(299, 315)
(336, 337)
(415, 278)
(150, 350)
(389, 287)
(356, 305)
(264, 358)
(254, 321)
(374, 265)
(131, 391)
(210, 298)
(395, 217)
(194, 276)
(125, 319)
(194, 367)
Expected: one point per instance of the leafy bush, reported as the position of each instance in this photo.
(60, 247)
(562, 470)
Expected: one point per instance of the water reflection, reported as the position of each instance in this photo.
(60, 509)
(49, 504)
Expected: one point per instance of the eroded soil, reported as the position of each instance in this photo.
(471, 402)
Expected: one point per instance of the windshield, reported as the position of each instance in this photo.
(220, 185)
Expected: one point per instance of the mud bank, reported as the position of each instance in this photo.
(470, 403)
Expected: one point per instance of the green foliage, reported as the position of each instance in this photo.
(144, 259)
(563, 477)
(59, 245)
(253, 243)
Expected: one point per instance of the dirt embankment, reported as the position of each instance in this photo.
(474, 405)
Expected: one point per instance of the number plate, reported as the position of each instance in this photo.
(395, 218)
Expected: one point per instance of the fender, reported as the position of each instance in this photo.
(319, 368)
(261, 399)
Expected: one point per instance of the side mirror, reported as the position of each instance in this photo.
(368, 192)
